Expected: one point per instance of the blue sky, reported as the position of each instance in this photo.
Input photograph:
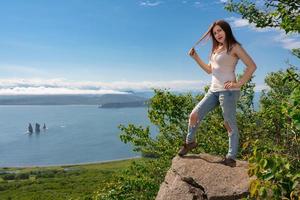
(100, 46)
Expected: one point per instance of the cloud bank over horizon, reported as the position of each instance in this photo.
(62, 86)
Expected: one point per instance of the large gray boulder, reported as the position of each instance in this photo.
(204, 177)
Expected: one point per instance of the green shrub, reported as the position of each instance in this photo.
(9, 177)
(275, 177)
(20, 176)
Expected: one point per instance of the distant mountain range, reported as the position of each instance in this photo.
(132, 99)
(105, 101)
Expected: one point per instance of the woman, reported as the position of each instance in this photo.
(224, 89)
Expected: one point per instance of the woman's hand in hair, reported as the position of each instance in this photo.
(192, 52)
(204, 66)
(231, 84)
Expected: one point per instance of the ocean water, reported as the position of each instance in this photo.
(74, 134)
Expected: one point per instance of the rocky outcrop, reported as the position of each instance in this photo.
(203, 176)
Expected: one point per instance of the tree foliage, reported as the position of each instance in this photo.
(277, 109)
(276, 177)
(275, 155)
(284, 14)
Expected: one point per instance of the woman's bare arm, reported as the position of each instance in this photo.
(203, 65)
(250, 67)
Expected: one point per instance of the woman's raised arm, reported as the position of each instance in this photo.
(203, 65)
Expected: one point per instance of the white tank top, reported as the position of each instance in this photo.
(223, 69)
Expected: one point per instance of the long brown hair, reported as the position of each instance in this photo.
(230, 39)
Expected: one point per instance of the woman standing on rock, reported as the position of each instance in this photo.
(224, 89)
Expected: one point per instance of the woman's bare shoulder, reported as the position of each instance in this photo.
(237, 49)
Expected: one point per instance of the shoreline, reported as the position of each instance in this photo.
(71, 164)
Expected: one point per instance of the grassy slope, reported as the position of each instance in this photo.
(59, 182)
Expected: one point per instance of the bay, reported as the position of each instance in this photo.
(75, 134)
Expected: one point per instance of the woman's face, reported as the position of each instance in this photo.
(219, 34)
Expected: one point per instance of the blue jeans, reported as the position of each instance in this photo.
(228, 101)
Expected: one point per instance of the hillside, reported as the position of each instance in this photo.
(119, 99)
(58, 182)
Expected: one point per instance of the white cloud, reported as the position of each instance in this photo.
(288, 41)
(52, 91)
(198, 4)
(238, 22)
(150, 4)
(61, 86)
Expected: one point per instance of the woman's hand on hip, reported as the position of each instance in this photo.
(231, 84)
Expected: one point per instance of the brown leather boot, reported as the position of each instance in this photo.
(186, 148)
(229, 162)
